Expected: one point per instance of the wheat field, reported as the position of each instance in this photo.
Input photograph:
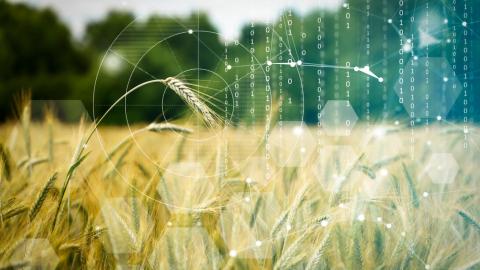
(366, 201)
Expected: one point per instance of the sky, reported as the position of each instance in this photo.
(227, 15)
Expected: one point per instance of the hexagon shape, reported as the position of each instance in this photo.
(246, 224)
(291, 144)
(442, 168)
(338, 118)
(433, 97)
(185, 248)
(126, 221)
(185, 187)
(35, 253)
(333, 164)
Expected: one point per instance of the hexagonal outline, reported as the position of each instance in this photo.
(327, 110)
(449, 70)
(451, 172)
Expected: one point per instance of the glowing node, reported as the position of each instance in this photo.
(297, 131)
(465, 130)
(439, 117)
(324, 223)
(249, 180)
(409, 40)
(341, 205)
(427, 266)
(415, 57)
(367, 68)
(464, 24)
(389, 225)
(190, 31)
(397, 123)
(445, 21)
(303, 150)
(229, 67)
(233, 253)
(247, 199)
(169, 223)
(299, 62)
(379, 219)
(389, 20)
(356, 69)
(425, 194)
(407, 47)
(379, 132)
(292, 64)
(445, 79)
(269, 63)
(258, 243)
(429, 142)
(361, 217)
(449, 40)
(380, 79)
(403, 234)
(345, 5)
(289, 227)
(383, 172)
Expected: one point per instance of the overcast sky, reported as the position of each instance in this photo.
(227, 15)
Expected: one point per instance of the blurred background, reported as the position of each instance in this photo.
(96, 50)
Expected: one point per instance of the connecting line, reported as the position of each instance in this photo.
(366, 70)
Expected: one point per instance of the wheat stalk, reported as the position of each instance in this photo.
(42, 196)
(159, 127)
(188, 95)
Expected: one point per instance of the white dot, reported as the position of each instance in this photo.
(403, 234)
(169, 223)
(345, 5)
(409, 40)
(258, 243)
(389, 225)
(397, 123)
(445, 79)
(425, 194)
(303, 150)
(233, 253)
(190, 31)
(85, 146)
(464, 24)
(297, 131)
(361, 217)
(269, 63)
(247, 199)
(299, 62)
(407, 47)
(289, 227)
(249, 180)
(429, 142)
(449, 40)
(324, 223)
(445, 21)
(293, 64)
(342, 205)
(229, 67)
(427, 266)
(380, 79)
(415, 57)
(383, 172)
(379, 132)
(389, 20)
(356, 69)
(379, 219)
(439, 117)
(465, 130)
(367, 68)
